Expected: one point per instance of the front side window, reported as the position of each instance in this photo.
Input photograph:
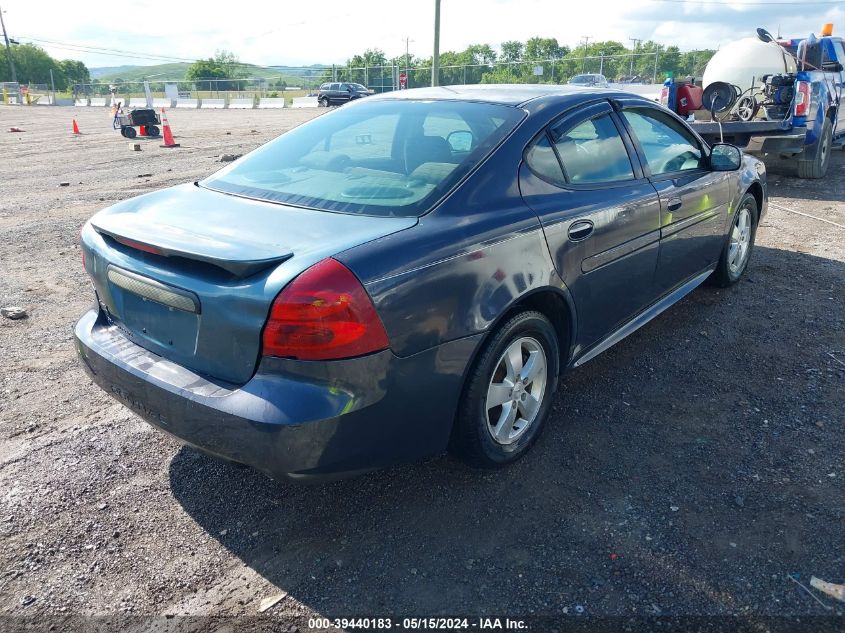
(667, 146)
(391, 157)
(593, 152)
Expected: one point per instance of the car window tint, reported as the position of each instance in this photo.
(442, 124)
(370, 138)
(593, 152)
(380, 157)
(542, 160)
(668, 147)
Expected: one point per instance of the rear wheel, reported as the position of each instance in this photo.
(508, 392)
(816, 166)
(152, 130)
(129, 132)
(737, 250)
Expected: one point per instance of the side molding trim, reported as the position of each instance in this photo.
(645, 316)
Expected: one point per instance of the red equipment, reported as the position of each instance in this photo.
(689, 98)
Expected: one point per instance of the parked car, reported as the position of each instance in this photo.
(335, 93)
(408, 274)
(592, 80)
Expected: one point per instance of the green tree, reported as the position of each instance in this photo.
(512, 51)
(32, 64)
(74, 72)
(224, 65)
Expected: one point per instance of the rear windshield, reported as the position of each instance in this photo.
(389, 158)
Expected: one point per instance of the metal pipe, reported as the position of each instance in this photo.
(9, 51)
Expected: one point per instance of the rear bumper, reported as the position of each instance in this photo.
(292, 419)
(780, 144)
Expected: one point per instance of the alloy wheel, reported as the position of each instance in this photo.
(740, 241)
(516, 390)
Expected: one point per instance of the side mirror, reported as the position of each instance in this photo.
(460, 141)
(725, 157)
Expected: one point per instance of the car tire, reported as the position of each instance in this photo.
(324, 102)
(130, 132)
(153, 131)
(816, 167)
(519, 365)
(739, 244)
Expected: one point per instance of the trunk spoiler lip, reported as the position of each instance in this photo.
(240, 268)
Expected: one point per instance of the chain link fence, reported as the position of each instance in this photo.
(302, 81)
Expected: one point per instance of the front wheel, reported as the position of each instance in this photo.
(129, 132)
(736, 253)
(324, 102)
(508, 392)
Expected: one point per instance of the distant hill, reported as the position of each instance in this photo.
(177, 71)
(102, 71)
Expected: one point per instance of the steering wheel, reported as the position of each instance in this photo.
(677, 163)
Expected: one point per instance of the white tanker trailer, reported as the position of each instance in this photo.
(771, 97)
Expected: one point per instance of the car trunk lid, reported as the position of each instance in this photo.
(190, 273)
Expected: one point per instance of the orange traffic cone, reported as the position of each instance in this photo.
(168, 135)
(76, 128)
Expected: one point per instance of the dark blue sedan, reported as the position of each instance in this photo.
(408, 274)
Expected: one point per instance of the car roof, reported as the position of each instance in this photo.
(502, 94)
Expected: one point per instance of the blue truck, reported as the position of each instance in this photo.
(792, 116)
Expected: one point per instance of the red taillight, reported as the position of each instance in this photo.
(324, 314)
(802, 98)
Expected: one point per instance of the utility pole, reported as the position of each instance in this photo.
(9, 52)
(634, 48)
(435, 59)
(586, 39)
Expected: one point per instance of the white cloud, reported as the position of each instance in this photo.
(332, 30)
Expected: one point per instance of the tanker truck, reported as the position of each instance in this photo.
(774, 98)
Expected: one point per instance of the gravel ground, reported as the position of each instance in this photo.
(687, 471)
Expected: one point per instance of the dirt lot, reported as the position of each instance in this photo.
(688, 470)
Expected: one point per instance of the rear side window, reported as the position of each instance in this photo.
(593, 152)
(667, 145)
(542, 160)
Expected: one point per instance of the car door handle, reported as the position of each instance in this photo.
(580, 230)
(675, 204)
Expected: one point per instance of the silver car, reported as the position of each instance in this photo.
(593, 80)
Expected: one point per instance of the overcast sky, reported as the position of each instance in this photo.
(294, 32)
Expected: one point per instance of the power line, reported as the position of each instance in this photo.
(105, 51)
(119, 52)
